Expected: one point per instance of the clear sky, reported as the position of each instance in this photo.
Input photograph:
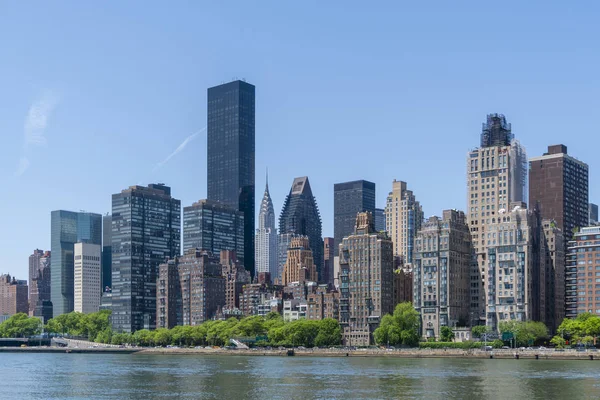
(95, 96)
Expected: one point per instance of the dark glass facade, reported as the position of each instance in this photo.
(212, 226)
(68, 228)
(106, 252)
(350, 198)
(300, 215)
(496, 131)
(146, 230)
(230, 160)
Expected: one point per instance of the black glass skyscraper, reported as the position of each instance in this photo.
(230, 169)
(106, 251)
(68, 228)
(350, 198)
(146, 230)
(300, 215)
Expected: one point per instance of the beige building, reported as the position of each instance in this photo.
(496, 177)
(403, 218)
(13, 295)
(299, 265)
(441, 273)
(366, 281)
(87, 277)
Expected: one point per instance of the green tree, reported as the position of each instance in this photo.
(479, 330)
(20, 326)
(330, 333)
(446, 334)
(401, 328)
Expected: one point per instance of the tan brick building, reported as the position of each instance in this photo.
(299, 265)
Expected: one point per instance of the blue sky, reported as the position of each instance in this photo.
(95, 95)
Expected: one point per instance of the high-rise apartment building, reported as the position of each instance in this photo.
(88, 277)
(299, 265)
(300, 216)
(379, 217)
(236, 276)
(283, 244)
(350, 198)
(266, 237)
(39, 279)
(328, 257)
(558, 187)
(13, 295)
(555, 259)
(442, 272)
(68, 228)
(146, 230)
(583, 273)
(403, 218)
(106, 252)
(213, 226)
(593, 211)
(190, 289)
(366, 281)
(230, 160)
(496, 177)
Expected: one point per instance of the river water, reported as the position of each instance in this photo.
(138, 376)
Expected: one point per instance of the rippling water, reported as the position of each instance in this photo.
(98, 376)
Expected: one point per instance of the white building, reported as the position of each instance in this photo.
(88, 280)
(266, 238)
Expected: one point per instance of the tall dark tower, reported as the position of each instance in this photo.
(230, 136)
(350, 198)
(300, 215)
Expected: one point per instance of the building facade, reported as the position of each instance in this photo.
(366, 281)
(300, 216)
(583, 273)
(593, 210)
(496, 177)
(555, 259)
(146, 230)
(68, 228)
(266, 237)
(106, 252)
(350, 198)
(300, 265)
(403, 218)
(283, 244)
(442, 271)
(213, 226)
(88, 277)
(13, 295)
(39, 279)
(236, 276)
(558, 187)
(328, 258)
(380, 224)
(231, 153)
(190, 289)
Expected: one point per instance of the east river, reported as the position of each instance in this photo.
(143, 376)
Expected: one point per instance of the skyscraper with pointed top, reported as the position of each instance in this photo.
(266, 236)
(300, 216)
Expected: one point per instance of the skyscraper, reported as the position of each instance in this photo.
(403, 217)
(328, 257)
(68, 228)
(39, 279)
(366, 281)
(442, 272)
(583, 262)
(350, 198)
(496, 177)
(299, 266)
(146, 230)
(213, 226)
(593, 214)
(300, 216)
(230, 161)
(266, 237)
(558, 186)
(88, 277)
(379, 220)
(106, 252)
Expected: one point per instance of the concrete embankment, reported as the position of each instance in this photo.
(404, 353)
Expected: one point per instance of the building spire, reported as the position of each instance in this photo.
(267, 188)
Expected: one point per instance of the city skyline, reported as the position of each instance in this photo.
(548, 91)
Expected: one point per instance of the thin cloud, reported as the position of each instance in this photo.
(23, 165)
(178, 150)
(35, 124)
